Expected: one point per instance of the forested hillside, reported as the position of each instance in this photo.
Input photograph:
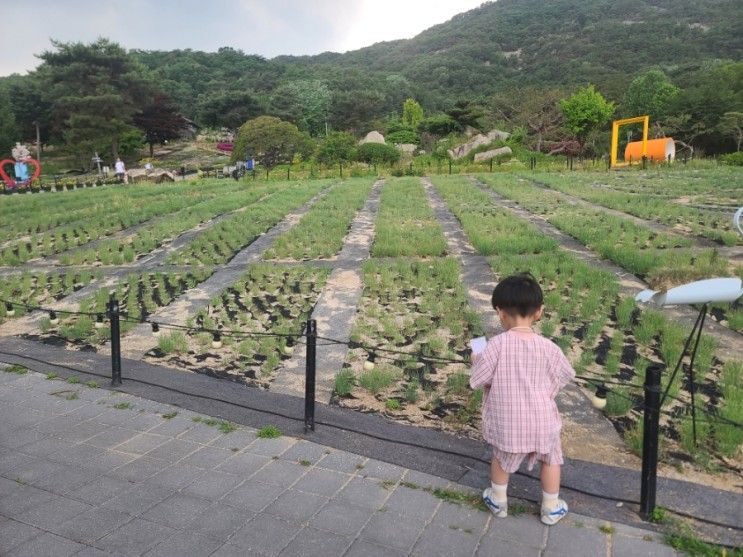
(513, 59)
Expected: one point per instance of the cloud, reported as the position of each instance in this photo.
(266, 27)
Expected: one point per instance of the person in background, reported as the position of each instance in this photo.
(120, 170)
(521, 373)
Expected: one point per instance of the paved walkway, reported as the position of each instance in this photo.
(86, 471)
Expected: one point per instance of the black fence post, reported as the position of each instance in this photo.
(650, 441)
(449, 166)
(113, 315)
(340, 166)
(644, 162)
(288, 170)
(309, 375)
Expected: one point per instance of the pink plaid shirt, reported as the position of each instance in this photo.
(521, 373)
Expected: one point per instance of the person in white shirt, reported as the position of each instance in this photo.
(120, 169)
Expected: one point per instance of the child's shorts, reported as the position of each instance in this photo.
(510, 462)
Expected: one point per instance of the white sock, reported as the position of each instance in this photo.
(499, 492)
(549, 500)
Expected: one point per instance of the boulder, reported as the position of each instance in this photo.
(478, 141)
(156, 175)
(372, 137)
(487, 155)
(407, 148)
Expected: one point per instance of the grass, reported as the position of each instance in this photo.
(122, 405)
(173, 343)
(170, 415)
(405, 223)
(51, 376)
(16, 369)
(378, 379)
(459, 498)
(73, 380)
(345, 380)
(269, 432)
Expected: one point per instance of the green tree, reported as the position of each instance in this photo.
(95, 91)
(731, 124)
(652, 93)
(584, 112)
(271, 141)
(228, 109)
(160, 121)
(412, 113)
(377, 153)
(337, 147)
(466, 113)
(304, 102)
(29, 107)
(7, 125)
(439, 125)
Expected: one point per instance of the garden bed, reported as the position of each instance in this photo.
(267, 300)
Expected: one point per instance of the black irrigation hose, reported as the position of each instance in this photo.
(372, 436)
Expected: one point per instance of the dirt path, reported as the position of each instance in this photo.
(335, 310)
(730, 342)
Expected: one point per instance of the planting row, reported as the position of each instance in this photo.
(320, 233)
(139, 295)
(39, 290)
(715, 225)
(128, 213)
(418, 308)
(220, 243)
(160, 230)
(638, 249)
(406, 225)
(32, 214)
(267, 300)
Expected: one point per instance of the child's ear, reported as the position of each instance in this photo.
(540, 313)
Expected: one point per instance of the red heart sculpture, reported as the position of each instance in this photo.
(9, 182)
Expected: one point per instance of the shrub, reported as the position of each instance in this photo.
(175, 342)
(732, 159)
(377, 153)
(403, 136)
(344, 382)
(269, 432)
(377, 379)
(392, 404)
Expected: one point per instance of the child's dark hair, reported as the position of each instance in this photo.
(518, 294)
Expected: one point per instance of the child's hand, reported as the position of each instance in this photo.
(474, 357)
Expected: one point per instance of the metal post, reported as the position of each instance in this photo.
(113, 315)
(491, 165)
(288, 169)
(644, 162)
(183, 172)
(309, 375)
(650, 434)
(449, 166)
(340, 165)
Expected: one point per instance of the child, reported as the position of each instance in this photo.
(521, 373)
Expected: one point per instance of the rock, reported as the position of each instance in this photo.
(156, 175)
(372, 137)
(478, 141)
(487, 155)
(407, 148)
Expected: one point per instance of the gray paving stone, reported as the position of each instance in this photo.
(229, 550)
(177, 476)
(270, 447)
(342, 462)
(173, 450)
(363, 548)
(135, 537)
(15, 461)
(14, 533)
(44, 446)
(78, 432)
(181, 544)
(206, 458)
(525, 530)
(381, 470)
(213, 485)
(173, 427)
(46, 545)
(200, 434)
(387, 528)
(91, 525)
(52, 512)
(23, 499)
(425, 481)
(280, 472)
(296, 505)
(502, 548)
(579, 542)
(239, 439)
(461, 517)
(304, 450)
(626, 546)
(95, 552)
(412, 503)
(364, 493)
(341, 518)
(252, 496)
(139, 469)
(315, 543)
(446, 542)
(243, 464)
(321, 482)
(220, 521)
(13, 436)
(8, 486)
(142, 443)
(34, 470)
(65, 479)
(176, 511)
(99, 490)
(139, 498)
(266, 534)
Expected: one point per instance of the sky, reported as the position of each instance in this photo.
(266, 27)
